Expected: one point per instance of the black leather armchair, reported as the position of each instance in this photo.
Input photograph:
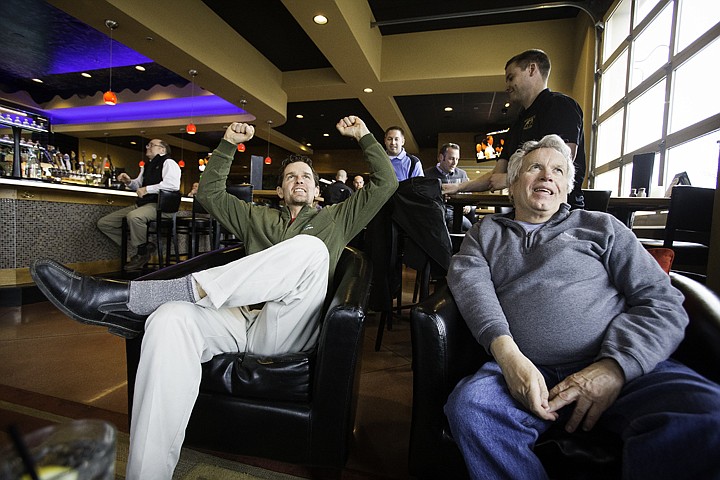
(298, 407)
(444, 351)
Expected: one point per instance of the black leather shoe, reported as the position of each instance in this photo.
(87, 299)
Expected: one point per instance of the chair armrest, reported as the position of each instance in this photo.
(195, 264)
(444, 351)
(700, 349)
(337, 368)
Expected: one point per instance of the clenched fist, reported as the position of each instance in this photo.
(239, 132)
(352, 126)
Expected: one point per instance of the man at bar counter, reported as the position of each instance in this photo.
(292, 255)
(544, 112)
(159, 173)
(580, 321)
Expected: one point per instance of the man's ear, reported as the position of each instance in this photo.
(280, 192)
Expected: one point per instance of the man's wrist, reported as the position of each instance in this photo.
(503, 347)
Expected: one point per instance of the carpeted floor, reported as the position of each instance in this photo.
(193, 465)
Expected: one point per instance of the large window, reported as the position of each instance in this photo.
(659, 62)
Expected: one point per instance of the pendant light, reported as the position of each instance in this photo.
(181, 162)
(241, 146)
(141, 163)
(268, 160)
(109, 97)
(190, 128)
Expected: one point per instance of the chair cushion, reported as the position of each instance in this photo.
(279, 377)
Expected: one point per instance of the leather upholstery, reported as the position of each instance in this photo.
(444, 351)
(296, 408)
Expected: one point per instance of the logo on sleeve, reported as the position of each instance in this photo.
(529, 122)
(307, 227)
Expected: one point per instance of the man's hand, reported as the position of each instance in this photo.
(498, 181)
(450, 188)
(524, 380)
(124, 178)
(352, 126)
(467, 209)
(238, 133)
(141, 191)
(593, 389)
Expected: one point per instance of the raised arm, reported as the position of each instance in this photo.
(212, 193)
(495, 180)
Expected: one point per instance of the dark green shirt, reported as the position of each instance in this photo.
(261, 227)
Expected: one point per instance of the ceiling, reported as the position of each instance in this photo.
(268, 54)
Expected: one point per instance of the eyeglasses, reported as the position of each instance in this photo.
(151, 145)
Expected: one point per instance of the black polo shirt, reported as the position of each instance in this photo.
(552, 112)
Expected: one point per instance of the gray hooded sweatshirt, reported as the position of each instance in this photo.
(578, 289)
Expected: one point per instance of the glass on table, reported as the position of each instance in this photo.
(78, 450)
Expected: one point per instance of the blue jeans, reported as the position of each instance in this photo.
(668, 419)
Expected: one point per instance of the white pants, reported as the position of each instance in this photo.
(291, 277)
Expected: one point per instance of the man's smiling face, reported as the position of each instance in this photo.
(298, 185)
(541, 186)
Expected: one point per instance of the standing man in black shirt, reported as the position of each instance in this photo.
(337, 191)
(544, 112)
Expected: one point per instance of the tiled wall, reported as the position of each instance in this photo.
(63, 231)
(7, 232)
(66, 232)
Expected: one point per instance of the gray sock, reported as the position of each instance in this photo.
(147, 295)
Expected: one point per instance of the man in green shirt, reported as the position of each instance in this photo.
(292, 255)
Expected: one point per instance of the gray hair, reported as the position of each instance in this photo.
(548, 141)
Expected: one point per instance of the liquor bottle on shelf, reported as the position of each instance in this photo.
(32, 165)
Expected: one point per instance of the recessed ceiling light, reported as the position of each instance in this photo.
(139, 68)
(368, 90)
(507, 104)
(309, 144)
(326, 134)
(448, 109)
(299, 115)
(320, 19)
(86, 75)
(133, 142)
(37, 80)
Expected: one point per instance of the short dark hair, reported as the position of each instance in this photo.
(297, 158)
(394, 127)
(536, 56)
(445, 147)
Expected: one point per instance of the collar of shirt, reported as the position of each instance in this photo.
(401, 156)
(446, 175)
(442, 172)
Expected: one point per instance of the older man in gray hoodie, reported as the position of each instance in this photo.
(580, 321)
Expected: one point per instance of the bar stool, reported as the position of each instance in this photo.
(199, 224)
(168, 203)
(223, 238)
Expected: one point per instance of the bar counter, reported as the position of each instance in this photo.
(44, 219)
